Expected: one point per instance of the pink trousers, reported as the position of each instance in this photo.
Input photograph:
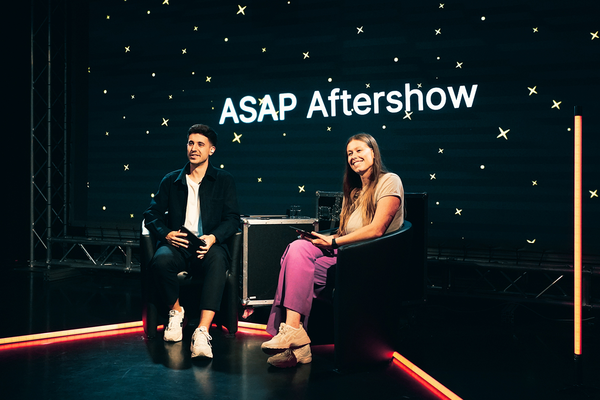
(302, 276)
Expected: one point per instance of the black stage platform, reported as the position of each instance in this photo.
(478, 349)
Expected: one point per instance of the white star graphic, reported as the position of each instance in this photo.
(503, 133)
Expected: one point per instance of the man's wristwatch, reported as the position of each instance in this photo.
(334, 245)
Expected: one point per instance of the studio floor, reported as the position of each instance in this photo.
(478, 349)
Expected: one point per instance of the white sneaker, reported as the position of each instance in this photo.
(287, 337)
(291, 357)
(201, 346)
(174, 330)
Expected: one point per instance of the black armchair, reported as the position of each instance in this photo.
(153, 314)
(372, 280)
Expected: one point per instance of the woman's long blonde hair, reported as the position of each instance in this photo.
(354, 193)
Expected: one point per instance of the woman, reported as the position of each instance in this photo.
(372, 206)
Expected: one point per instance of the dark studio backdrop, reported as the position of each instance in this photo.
(15, 150)
(470, 101)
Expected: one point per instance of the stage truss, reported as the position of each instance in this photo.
(49, 121)
(511, 275)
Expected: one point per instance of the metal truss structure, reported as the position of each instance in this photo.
(50, 242)
(49, 121)
(512, 275)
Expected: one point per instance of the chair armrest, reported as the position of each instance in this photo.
(234, 245)
(147, 249)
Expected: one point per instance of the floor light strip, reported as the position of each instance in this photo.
(425, 377)
(71, 332)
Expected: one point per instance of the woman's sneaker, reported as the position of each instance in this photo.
(291, 357)
(287, 337)
(174, 330)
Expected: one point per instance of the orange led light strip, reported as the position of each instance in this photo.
(70, 335)
(71, 332)
(92, 332)
(248, 327)
(577, 264)
(424, 378)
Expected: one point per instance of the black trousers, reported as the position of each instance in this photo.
(168, 261)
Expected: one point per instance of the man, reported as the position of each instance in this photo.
(203, 200)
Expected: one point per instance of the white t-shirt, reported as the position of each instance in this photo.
(389, 184)
(192, 211)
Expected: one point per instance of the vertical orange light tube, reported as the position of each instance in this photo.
(577, 265)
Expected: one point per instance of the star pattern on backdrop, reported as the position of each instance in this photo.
(359, 30)
(503, 133)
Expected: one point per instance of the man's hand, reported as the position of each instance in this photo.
(177, 239)
(210, 240)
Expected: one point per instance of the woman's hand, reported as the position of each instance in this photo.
(209, 240)
(323, 241)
